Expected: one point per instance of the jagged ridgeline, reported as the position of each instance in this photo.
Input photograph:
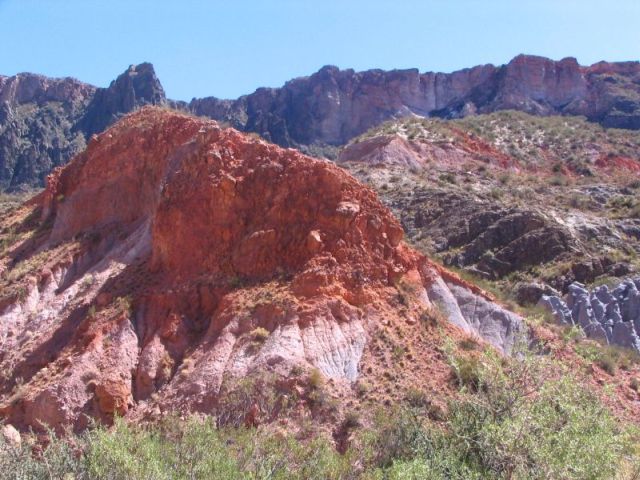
(44, 121)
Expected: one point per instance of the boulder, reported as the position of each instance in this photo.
(11, 436)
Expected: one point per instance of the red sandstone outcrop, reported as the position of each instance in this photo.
(175, 240)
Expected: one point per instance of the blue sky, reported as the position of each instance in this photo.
(229, 48)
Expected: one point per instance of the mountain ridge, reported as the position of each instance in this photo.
(44, 121)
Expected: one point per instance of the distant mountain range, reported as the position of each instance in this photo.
(45, 121)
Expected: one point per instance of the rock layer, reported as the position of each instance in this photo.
(196, 255)
(509, 196)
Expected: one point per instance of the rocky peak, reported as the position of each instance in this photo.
(136, 87)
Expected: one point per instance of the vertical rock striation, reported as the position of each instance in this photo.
(612, 316)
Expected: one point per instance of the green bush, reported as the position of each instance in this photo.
(528, 419)
(55, 461)
(521, 423)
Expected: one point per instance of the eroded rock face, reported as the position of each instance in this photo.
(187, 239)
(332, 106)
(488, 198)
(609, 315)
(134, 88)
(37, 126)
(489, 237)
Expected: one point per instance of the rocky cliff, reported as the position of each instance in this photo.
(45, 121)
(173, 256)
(332, 106)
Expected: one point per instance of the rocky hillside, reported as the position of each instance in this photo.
(44, 122)
(531, 204)
(172, 258)
(249, 309)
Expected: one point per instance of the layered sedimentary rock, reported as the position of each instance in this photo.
(173, 256)
(510, 196)
(612, 316)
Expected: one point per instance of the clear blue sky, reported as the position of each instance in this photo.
(231, 47)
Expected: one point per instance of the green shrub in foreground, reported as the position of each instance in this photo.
(520, 422)
(514, 421)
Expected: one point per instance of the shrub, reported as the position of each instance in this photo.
(433, 316)
(124, 304)
(523, 423)
(608, 362)
(448, 178)
(259, 334)
(235, 282)
(255, 395)
(607, 357)
(57, 460)
(351, 421)
(469, 344)
(521, 435)
(416, 398)
(315, 380)
(558, 181)
(362, 388)
(467, 371)
(397, 435)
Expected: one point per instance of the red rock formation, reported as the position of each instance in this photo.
(182, 238)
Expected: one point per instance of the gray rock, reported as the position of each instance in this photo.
(493, 323)
(611, 316)
(624, 334)
(597, 332)
(558, 308)
(475, 315)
